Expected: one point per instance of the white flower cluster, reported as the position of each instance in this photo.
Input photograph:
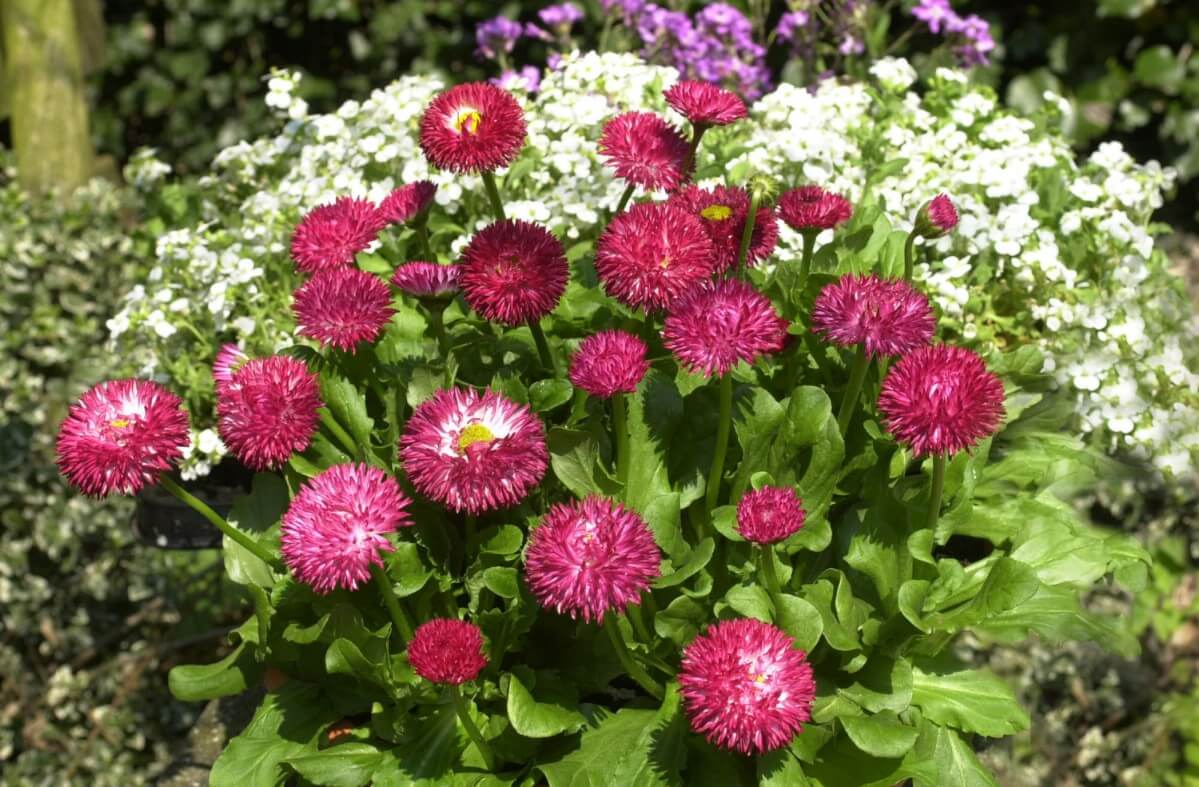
(1060, 252)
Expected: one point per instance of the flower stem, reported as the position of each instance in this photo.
(697, 133)
(805, 264)
(403, 626)
(203, 509)
(934, 491)
(421, 225)
(624, 198)
(770, 577)
(748, 233)
(493, 194)
(437, 323)
(341, 434)
(722, 442)
(909, 256)
(472, 527)
(472, 730)
(857, 376)
(634, 670)
(543, 348)
(620, 427)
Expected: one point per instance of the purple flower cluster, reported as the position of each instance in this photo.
(496, 36)
(972, 32)
(842, 25)
(716, 46)
(527, 78)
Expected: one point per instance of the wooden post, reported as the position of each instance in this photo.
(43, 80)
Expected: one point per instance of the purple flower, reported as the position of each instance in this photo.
(533, 31)
(497, 35)
(851, 45)
(979, 42)
(936, 14)
(527, 78)
(789, 23)
(562, 15)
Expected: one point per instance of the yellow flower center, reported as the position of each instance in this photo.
(119, 423)
(716, 212)
(759, 679)
(468, 120)
(665, 263)
(474, 433)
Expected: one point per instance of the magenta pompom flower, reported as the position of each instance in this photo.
(427, 279)
(475, 127)
(770, 514)
(450, 651)
(331, 235)
(268, 411)
(644, 150)
(337, 524)
(937, 217)
(746, 687)
(228, 360)
(591, 557)
(720, 323)
(513, 272)
(342, 307)
(120, 436)
(473, 452)
(704, 104)
(887, 316)
(609, 363)
(407, 202)
(811, 208)
(651, 254)
(940, 400)
(723, 212)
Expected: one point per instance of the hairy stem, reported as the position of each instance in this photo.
(472, 730)
(748, 233)
(203, 509)
(857, 376)
(909, 256)
(805, 265)
(624, 198)
(543, 348)
(634, 670)
(934, 492)
(493, 194)
(620, 427)
(722, 442)
(399, 617)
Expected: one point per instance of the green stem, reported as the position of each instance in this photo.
(770, 577)
(722, 442)
(624, 198)
(399, 617)
(421, 225)
(202, 508)
(578, 408)
(909, 256)
(748, 233)
(472, 527)
(620, 427)
(493, 194)
(805, 265)
(636, 616)
(341, 434)
(697, 133)
(634, 670)
(857, 376)
(543, 348)
(437, 323)
(934, 492)
(472, 730)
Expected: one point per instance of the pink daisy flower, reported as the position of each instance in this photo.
(746, 687)
(937, 217)
(590, 558)
(228, 360)
(723, 212)
(940, 400)
(513, 271)
(120, 436)
(427, 279)
(643, 149)
(770, 514)
(609, 363)
(443, 650)
(475, 127)
(812, 208)
(718, 324)
(268, 411)
(888, 316)
(651, 254)
(407, 202)
(704, 104)
(473, 452)
(335, 527)
(342, 307)
(331, 235)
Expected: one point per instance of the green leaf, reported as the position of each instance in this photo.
(680, 621)
(344, 657)
(1159, 67)
(695, 561)
(1055, 613)
(545, 395)
(285, 725)
(1009, 584)
(605, 738)
(953, 759)
(575, 459)
(651, 415)
(431, 753)
(407, 570)
(750, 601)
(881, 735)
(502, 581)
(970, 700)
(254, 513)
(504, 540)
(800, 620)
(883, 684)
(661, 750)
(231, 675)
(345, 765)
(348, 406)
(535, 719)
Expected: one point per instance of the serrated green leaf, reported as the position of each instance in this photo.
(969, 700)
(535, 719)
(231, 675)
(881, 735)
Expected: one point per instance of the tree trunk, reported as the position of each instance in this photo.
(43, 74)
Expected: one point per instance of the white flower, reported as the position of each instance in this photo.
(893, 73)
